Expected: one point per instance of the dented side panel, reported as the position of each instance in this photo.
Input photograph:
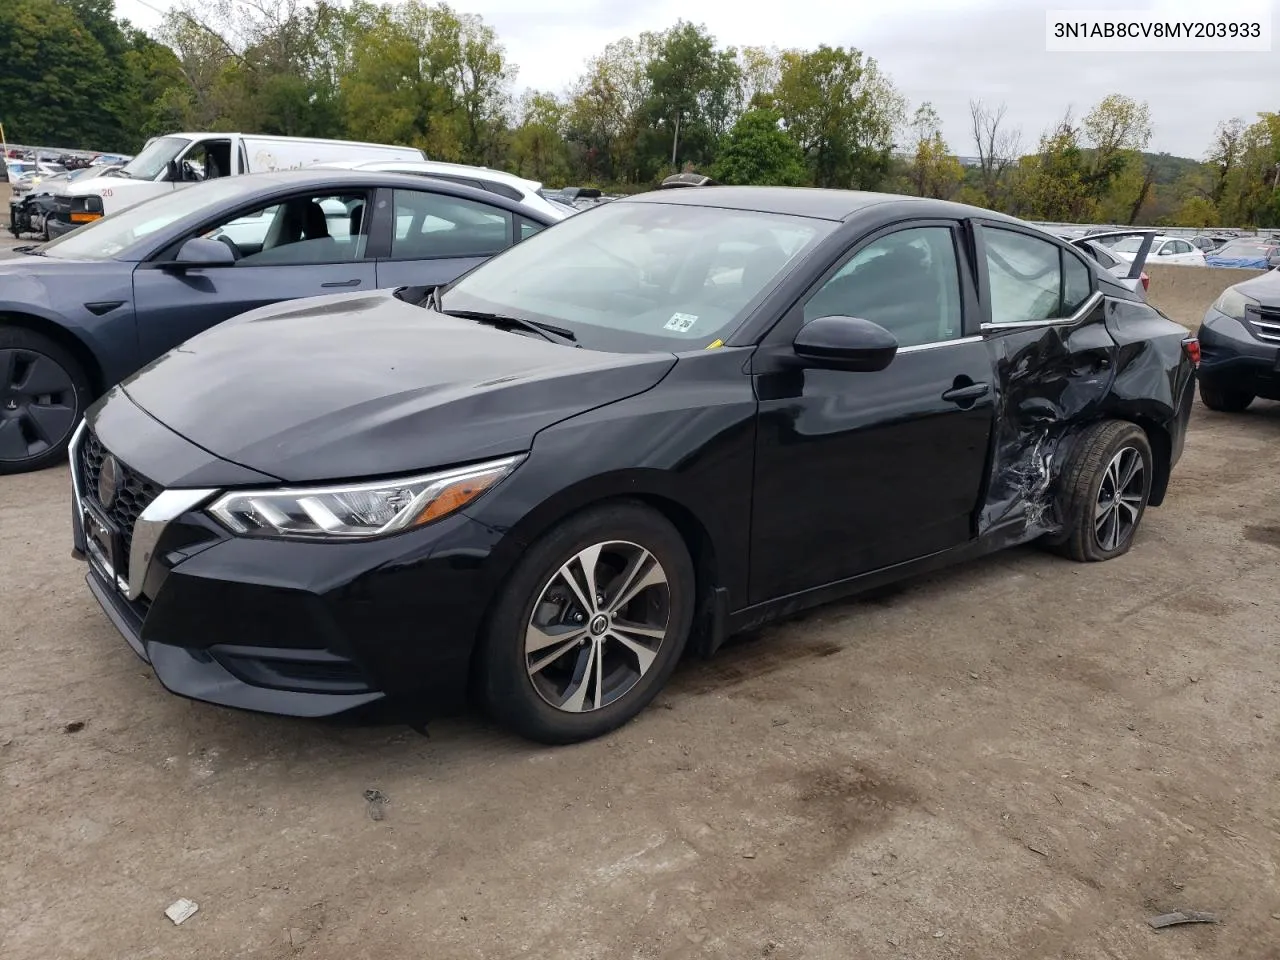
(1124, 361)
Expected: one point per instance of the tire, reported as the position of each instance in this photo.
(535, 693)
(43, 395)
(1224, 399)
(1103, 453)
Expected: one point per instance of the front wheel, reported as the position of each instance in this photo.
(590, 625)
(1104, 492)
(43, 394)
(1224, 399)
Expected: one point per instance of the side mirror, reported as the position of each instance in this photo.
(845, 343)
(199, 252)
(173, 172)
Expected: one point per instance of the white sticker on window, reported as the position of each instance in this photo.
(681, 322)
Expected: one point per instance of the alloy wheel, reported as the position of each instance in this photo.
(1120, 499)
(37, 404)
(597, 626)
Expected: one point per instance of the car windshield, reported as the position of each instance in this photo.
(637, 277)
(151, 162)
(1244, 249)
(103, 239)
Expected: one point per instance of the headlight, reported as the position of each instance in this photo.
(357, 510)
(1233, 303)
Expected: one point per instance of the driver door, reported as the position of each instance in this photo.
(305, 245)
(856, 471)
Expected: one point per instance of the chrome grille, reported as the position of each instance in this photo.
(1266, 325)
(134, 492)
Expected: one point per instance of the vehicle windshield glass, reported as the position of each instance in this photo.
(1239, 249)
(103, 239)
(1130, 244)
(639, 277)
(151, 162)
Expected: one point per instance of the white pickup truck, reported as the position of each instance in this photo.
(180, 159)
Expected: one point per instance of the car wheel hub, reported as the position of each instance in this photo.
(37, 404)
(1120, 499)
(597, 626)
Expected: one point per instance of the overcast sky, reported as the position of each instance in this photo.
(943, 51)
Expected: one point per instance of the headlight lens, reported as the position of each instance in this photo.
(358, 510)
(1233, 303)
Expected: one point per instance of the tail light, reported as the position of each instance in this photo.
(1191, 347)
(1146, 281)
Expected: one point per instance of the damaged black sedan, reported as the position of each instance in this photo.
(625, 438)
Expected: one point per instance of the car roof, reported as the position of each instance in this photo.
(435, 166)
(335, 178)
(815, 202)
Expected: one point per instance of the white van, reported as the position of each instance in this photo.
(179, 159)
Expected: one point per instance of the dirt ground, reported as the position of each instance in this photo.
(1022, 757)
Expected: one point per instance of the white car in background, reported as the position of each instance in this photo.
(1101, 246)
(528, 192)
(1163, 250)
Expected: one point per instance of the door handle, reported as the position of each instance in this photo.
(342, 283)
(966, 394)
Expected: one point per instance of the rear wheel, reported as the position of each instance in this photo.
(590, 625)
(1105, 486)
(1224, 399)
(43, 393)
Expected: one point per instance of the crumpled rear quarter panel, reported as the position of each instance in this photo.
(1052, 382)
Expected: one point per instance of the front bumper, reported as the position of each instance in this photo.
(1234, 356)
(276, 626)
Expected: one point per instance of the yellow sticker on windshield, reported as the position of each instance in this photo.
(713, 344)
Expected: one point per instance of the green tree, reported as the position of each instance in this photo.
(605, 120)
(934, 171)
(56, 77)
(695, 91)
(1050, 184)
(537, 145)
(842, 111)
(758, 151)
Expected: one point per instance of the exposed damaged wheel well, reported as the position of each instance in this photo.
(1161, 454)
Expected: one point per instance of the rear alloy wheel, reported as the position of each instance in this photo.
(1105, 487)
(43, 393)
(1224, 399)
(590, 626)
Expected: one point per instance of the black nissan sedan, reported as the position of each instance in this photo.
(625, 438)
(1240, 341)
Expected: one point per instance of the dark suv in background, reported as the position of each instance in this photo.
(1240, 345)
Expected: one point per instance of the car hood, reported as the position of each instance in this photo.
(1265, 289)
(367, 385)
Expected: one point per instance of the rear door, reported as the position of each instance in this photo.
(303, 245)
(861, 470)
(1054, 360)
(432, 237)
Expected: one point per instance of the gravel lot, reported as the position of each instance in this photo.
(1021, 757)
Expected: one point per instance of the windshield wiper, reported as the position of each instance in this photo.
(501, 320)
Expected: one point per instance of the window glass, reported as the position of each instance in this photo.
(907, 282)
(643, 276)
(430, 225)
(1077, 283)
(528, 228)
(106, 237)
(313, 228)
(1025, 277)
(1183, 246)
